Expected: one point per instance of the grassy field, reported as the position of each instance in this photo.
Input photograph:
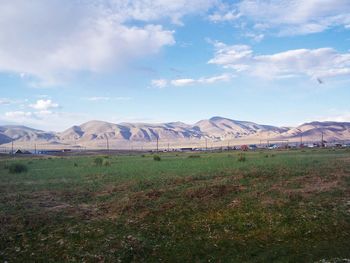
(287, 206)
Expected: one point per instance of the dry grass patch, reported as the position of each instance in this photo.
(212, 191)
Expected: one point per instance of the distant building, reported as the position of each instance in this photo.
(186, 149)
(18, 151)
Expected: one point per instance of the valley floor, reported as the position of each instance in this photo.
(264, 206)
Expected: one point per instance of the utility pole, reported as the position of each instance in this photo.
(157, 144)
(206, 144)
(322, 139)
(12, 147)
(168, 147)
(35, 149)
(107, 144)
(301, 140)
(228, 145)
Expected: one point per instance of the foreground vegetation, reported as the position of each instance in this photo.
(291, 206)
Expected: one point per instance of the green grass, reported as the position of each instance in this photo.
(294, 207)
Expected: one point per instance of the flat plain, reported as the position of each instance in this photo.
(263, 206)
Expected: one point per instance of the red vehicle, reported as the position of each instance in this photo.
(244, 147)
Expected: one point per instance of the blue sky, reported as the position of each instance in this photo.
(65, 62)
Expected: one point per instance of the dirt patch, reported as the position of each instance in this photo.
(235, 203)
(58, 208)
(224, 175)
(154, 194)
(111, 189)
(139, 203)
(212, 191)
(308, 185)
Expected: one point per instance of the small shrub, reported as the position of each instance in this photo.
(98, 161)
(106, 163)
(266, 156)
(17, 168)
(241, 157)
(75, 165)
(156, 158)
(143, 156)
(194, 156)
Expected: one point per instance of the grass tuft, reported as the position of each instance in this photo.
(194, 156)
(156, 158)
(16, 168)
(98, 161)
(241, 157)
(106, 163)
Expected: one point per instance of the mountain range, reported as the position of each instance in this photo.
(215, 130)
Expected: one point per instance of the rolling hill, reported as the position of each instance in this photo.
(216, 129)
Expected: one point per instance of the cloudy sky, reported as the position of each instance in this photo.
(280, 62)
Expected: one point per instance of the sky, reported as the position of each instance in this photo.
(277, 62)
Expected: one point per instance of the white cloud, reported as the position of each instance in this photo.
(50, 40)
(210, 80)
(255, 37)
(18, 114)
(293, 17)
(224, 12)
(237, 56)
(159, 83)
(226, 16)
(335, 115)
(182, 82)
(44, 105)
(46, 120)
(151, 10)
(285, 17)
(189, 81)
(5, 101)
(98, 98)
(314, 63)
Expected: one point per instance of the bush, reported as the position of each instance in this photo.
(75, 165)
(98, 161)
(16, 168)
(156, 158)
(194, 156)
(106, 163)
(241, 157)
